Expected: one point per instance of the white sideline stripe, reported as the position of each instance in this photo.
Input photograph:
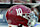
(38, 22)
(12, 25)
(4, 3)
(15, 25)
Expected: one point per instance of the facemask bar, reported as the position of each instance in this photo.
(31, 17)
(25, 16)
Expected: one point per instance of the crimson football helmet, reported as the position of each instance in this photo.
(18, 14)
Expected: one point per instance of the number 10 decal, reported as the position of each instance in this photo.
(19, 11)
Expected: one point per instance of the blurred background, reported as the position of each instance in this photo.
(3, 21)
(18, 1)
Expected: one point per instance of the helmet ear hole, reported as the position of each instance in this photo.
(23, 14)
(28, 18)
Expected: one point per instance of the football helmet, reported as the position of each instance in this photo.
(18, 14)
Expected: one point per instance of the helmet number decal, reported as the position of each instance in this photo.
(19, 11)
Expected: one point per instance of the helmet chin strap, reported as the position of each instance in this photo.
(33, 22)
